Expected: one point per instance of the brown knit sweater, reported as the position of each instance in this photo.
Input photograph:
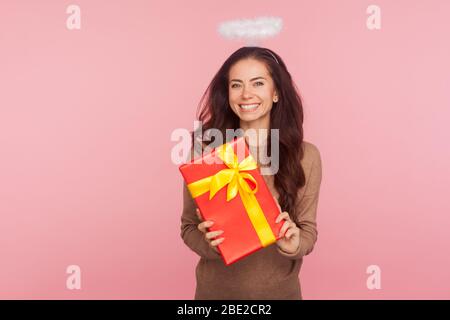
(268, 273)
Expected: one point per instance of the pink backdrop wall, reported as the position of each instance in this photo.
(86, 115)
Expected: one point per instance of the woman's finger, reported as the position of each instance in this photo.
(284, 228)
(290, 233)
(287, 225)
(284, 215)
(213, 234)
(205, 224)
(216, 242)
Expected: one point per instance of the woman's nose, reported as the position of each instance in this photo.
(246, 93)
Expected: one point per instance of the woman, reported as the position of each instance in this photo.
(254, 90)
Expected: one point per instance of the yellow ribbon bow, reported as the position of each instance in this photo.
(235, 177)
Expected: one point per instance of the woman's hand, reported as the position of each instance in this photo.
(210, 237)
(290, 241)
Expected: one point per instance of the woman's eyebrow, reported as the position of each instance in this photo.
(253, 79)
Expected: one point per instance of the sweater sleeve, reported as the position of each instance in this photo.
(307, 207)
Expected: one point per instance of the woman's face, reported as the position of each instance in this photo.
(251, 91)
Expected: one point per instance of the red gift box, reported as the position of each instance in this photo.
(228, 189)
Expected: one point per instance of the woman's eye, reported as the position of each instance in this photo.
(236, 85)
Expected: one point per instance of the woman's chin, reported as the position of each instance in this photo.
(253, 116)
(249, 117)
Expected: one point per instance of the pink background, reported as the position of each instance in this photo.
(85, 123)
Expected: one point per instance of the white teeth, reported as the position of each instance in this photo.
(249, 106)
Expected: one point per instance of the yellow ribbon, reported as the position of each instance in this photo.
(234, 177)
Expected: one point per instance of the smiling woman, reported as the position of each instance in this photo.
(254, 90)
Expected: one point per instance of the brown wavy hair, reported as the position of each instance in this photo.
(286, 115)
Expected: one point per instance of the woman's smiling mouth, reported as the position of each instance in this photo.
(249, 107)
